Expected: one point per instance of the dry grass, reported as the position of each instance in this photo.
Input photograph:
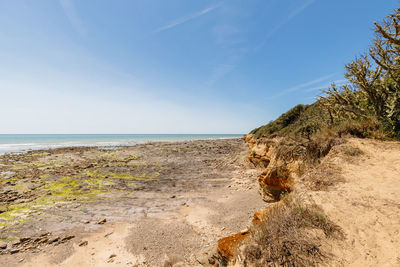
(329, 173)
(290, 235)
(352, 151)
(323, 176)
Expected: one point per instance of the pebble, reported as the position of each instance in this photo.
(83, 243)
(54, 239)
(66, 238)
(24, 239)
(3, 245)
(14, 250)
(111, 258)
(102, 221)
(108, 234)
(15, 243)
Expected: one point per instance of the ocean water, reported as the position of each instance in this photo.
(25, 142)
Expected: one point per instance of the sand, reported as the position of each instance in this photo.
(366, 205)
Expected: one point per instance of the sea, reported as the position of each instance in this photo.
(17, 143)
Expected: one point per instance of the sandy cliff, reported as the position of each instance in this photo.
(356, 187)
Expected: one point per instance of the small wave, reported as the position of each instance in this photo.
(112, 142)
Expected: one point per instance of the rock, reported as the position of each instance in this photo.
(45, 234)
(43, 240)
(108, 234)
(275, 181)
(83, 243)
(25, 239)
(260, 215)
(31, 186)
(54, 239)
(15, 243)
(66, 238)
(102, 221)
(14, 250)
(173, 196)
(227, 246)
(111, 258)
(3, 209)
(202, 259)
(85, 221)
(3, 245)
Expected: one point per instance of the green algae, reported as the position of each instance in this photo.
(132, 157)
(64, 190)
(7, 239)
(38, 154)
(158, 165)
(121, 175)
(37, 164)
(98, 183)
(85, 186)
(20, 187)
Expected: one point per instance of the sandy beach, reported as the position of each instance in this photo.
(143, 205)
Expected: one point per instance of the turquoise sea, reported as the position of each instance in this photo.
(25, 142)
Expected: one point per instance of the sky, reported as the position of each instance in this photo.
(176, 66)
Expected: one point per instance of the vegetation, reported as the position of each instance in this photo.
(367, 106)
(290, 235)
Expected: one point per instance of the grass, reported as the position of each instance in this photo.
(309, 121)
(288, 235)
(323, 176)
(302, 119)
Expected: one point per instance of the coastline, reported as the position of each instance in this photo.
(150, 195)
(22, 143)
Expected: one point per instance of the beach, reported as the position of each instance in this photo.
(17, 143)
(140, 205)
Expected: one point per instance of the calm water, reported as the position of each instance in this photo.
(25, 142)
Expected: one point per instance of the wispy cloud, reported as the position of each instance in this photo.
(219, 72)
(291, 16)
(303, 86)
(300, 9)
(309, 83)
(325, 86)
(187, 18)
(72, 15)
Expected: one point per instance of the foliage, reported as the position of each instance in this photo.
(368, 106)
(302, 119)
(284, 236)
(374, 81)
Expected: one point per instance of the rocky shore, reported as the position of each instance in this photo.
(147, 204)
(203, 203)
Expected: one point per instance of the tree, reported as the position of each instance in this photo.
(374, 80)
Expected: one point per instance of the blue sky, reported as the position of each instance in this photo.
(173, 66)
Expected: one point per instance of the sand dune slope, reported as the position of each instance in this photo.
(366, 205)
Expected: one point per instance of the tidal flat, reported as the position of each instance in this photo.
(52, 198)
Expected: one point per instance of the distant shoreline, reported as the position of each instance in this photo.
(22, 143)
